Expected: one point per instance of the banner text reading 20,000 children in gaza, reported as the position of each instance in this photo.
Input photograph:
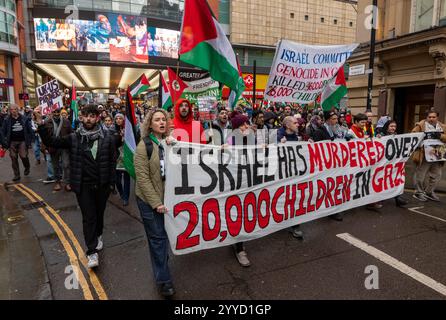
(219, 196)
(300, 72)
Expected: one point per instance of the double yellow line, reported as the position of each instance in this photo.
(75, 260)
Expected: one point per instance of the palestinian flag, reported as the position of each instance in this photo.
(334, 91)
(166, 99)
(234, 95)
(176, 85)
(130, 135)
(73, 105)
(205, 45)
(140, 85)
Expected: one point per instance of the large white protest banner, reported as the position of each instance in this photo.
(49, 97)
(219, 196)
(300, 72)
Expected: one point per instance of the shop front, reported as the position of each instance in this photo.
(409, 77)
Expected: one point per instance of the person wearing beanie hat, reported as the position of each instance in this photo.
(64, 114)
(381, 122)
(238, 120)
(240, 123)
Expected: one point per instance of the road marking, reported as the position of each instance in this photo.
(93, 277)
(415, 209)
(69, 250)
(384, 257)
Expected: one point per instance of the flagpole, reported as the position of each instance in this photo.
(160, 90)
(254, 86)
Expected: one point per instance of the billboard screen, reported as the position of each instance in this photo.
(163, 43)
(123, 38)
(70, 35)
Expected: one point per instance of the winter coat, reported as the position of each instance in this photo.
(6, 129)
(106, 156)
(149, 185)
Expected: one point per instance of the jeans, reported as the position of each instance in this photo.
(158, 242)
(61, 165)
(92, 200)
(49, 166)
(36, 148)
(124, 190)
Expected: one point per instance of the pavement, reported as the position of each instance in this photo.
(400, 251)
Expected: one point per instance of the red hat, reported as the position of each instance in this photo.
(238, 119)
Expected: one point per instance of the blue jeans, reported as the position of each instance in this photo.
(124, 190)
(49, 166)
(158, 242)
(36, 148)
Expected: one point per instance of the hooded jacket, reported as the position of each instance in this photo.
(187, 130)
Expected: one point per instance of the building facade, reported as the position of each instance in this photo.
(11, 46)
(410, 63)
(254, 28)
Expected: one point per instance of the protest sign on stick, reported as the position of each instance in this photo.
(49, 97)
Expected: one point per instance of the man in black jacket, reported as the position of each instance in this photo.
(92, 173)
(17, 136)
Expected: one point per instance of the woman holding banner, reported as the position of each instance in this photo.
(149, 189)
(388, 129)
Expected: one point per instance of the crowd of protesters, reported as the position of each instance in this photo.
(86, 155)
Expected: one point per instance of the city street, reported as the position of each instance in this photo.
(41, 237)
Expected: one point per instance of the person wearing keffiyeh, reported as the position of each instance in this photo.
(92, 172)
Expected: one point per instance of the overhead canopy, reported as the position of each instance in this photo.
(97, 79)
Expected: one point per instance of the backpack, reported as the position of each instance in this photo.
(149, 147)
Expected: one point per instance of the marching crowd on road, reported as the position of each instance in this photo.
(85, 156)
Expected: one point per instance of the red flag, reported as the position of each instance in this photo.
(176, 85)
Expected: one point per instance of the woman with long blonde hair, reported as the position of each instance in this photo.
(150, 177)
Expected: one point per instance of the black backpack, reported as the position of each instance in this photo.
(149, 146)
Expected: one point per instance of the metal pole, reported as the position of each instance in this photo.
(160, 91)
(254, 86)
(372, 55)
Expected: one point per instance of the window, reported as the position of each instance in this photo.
(322, 20)
(442, 21)
(10, 4)
(292, 15)
(424, 14)
(351, 24)
(335, 21)
(306, 17)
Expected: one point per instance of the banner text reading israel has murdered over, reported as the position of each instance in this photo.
(219, 196)
(300, 72)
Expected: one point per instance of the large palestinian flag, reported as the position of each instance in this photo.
(205, 45)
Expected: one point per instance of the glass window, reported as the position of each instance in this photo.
(10, 4)
(2, 16)
(442, 21)
(424, 14)
(3, 36)
(2, 3)
(84, 4)
(10, 18)
(3, 27)
(102, 4)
